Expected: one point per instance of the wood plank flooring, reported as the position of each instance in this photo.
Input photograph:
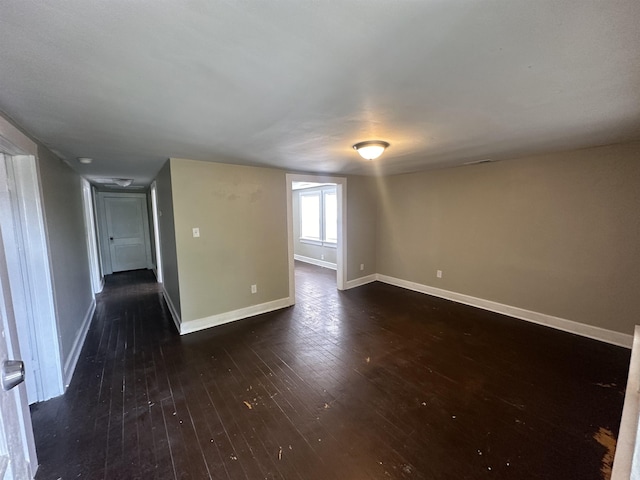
(372, 383)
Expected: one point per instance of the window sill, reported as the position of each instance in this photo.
(318, 243)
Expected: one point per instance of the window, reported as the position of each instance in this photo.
(319, 217)
(330, 216)
(310, 228)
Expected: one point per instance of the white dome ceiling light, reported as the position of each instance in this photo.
(371, 149)
(123, 182)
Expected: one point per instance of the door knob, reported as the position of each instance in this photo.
(12, 373)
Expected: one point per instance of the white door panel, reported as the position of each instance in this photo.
(128, 232)
(11, 231)
(15, 422)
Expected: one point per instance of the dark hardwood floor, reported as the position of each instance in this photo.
(372, 383)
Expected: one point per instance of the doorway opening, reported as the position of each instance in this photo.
(316, 220)
(123, 232)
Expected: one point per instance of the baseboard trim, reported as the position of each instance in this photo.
(101, 284)
(172, 309)
(74, 355)
(314, 261)
(589, 331)
(227, 317)
(361, 281)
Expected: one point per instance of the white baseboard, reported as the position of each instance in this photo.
(172, 309)
(597, 333)
(361, 281)
(101, 284)
(74, 355)
(314, 261)
(227, 317)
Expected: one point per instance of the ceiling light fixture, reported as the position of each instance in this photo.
(85, 160)
(371, 149)
(123, 182)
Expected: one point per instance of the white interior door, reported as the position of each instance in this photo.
(11, 231)
(25, 256)
(16, 434)
(127, 230)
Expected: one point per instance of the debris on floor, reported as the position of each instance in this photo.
(605, 437)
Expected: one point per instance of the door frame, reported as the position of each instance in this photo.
(341, 253)
(97, 280)
(15, 143)
(156, 231)
(103, 231)
(31, 280)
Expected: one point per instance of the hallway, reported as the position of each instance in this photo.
(374, 382)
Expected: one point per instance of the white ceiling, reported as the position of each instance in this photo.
(295, 83)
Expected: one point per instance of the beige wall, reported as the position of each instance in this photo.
(362, 201)
(168, 236)
(241, 214)
(557, 234)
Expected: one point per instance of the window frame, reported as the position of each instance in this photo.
(321, 194)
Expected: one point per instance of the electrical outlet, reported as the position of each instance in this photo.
(361, 266)
(321, 257)
(196, 232)
(254, 289)
(439, 273)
